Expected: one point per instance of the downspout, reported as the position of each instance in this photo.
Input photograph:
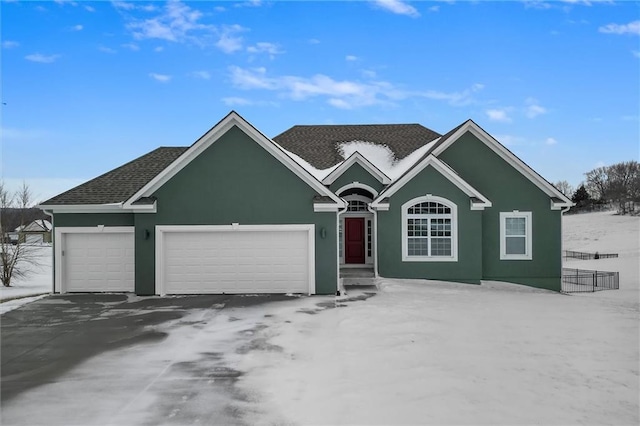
(375, 239)
(338, 282)
(53, 261)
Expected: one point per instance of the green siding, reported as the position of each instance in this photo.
(356, 173)
(92, 219)
(236, 181)
(509, 190)
(468, 268)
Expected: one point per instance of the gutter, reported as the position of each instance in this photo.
(375, 240)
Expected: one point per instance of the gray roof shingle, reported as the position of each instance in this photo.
(120, 184)
(318, 144)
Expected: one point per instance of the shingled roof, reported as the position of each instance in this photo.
(319, 144)
(120, 184)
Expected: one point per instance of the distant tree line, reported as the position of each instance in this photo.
(618, 184)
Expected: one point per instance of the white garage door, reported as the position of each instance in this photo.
(101, 261)
(240, 259)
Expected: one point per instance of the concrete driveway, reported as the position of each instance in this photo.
(121, 359)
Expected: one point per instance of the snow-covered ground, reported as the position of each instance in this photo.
(418, 352)
(442, 353)
(37, 282)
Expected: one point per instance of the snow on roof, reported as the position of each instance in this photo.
(383, 158)
(36, 226)
(379, 155)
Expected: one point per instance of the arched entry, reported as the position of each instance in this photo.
(356, 231)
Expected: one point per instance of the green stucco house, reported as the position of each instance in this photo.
(238, 212)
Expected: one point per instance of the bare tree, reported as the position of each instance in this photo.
(564, 187)
(596, 183)
(16, 259)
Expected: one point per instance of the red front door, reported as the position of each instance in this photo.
(354, 240)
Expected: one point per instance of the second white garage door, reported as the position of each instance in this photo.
(235, 259)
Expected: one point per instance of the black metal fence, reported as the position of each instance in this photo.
(583, 280)
(568, 254)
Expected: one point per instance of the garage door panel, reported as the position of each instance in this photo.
(238, 261)
(99, 262)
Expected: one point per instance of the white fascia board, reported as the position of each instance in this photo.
(98, 208)
(325, 207)
(356, 157)
(445, 171)
(209, 138)
(503, 153)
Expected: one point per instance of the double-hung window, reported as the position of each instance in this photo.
(429, 230)
(515, 236)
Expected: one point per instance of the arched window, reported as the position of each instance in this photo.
(429, 230)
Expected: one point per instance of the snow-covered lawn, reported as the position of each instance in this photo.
(442, 353)
(418, 352)
(39, 281)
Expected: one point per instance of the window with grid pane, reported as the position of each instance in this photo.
(429, 231)
(515, 235)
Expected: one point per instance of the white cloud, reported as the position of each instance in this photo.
(177, 22)
(163, 78)
(460, 98)
(265, 47)
(351, 58)
(9, 44)
(107, 49)
(66, 2)
(250, 3)
(77, 28)
(343, 94)
(435, 8)
(630, 28)
(314, 41)
(89, 8)
(533, 108)
(398, 7)
(43, 59)
(158, 49)
(204, 75)
(123, 5)
(550, 141)
(230, 41)
(636, 53)
(131, 46)
(500, 115)
(236, 101)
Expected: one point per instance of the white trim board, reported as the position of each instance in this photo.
(358, 158)
(445, 171)
(357, 185)
(161, 230)
(213, 135)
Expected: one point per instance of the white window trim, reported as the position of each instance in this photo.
(454, 230)
(529, 236)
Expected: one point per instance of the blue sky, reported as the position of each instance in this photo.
(88, 86)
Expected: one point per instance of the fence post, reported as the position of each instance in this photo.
(595, 274)
(593, 282)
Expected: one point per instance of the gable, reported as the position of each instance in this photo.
(233, 180)
(216, 133)
(462, 158)
(356, 173)
(499, 179)
(476, 199)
